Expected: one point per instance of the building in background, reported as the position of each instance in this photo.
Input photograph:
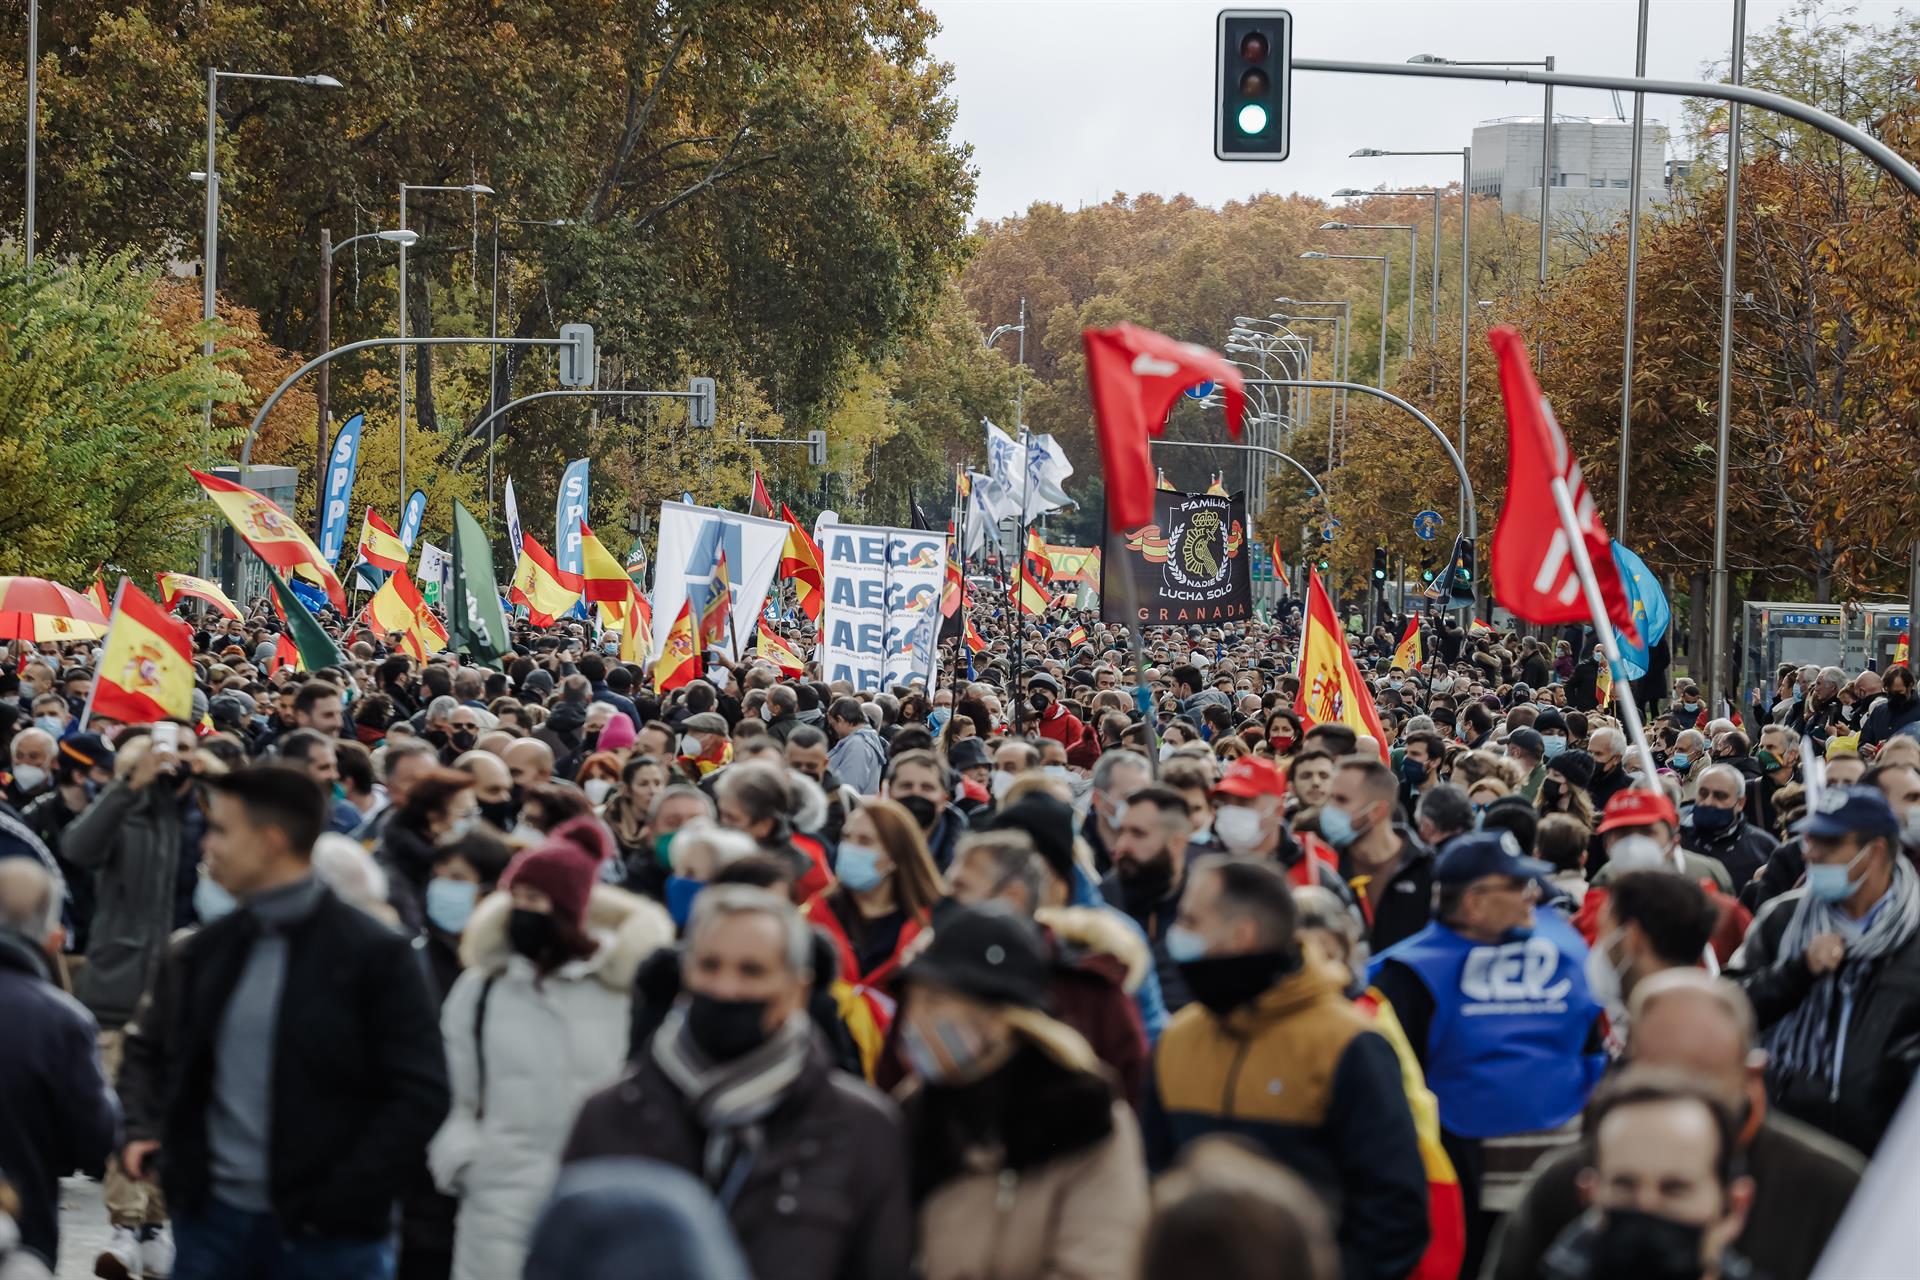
(1592, 166)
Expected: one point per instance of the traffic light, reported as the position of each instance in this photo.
(1253, 70)
(576, 357)
(1379, 566)
(817, 448)
(1460, 584)
(700, 402)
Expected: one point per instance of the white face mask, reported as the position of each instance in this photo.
(998, 782)
(29, 777)
(1238, 827)
(597, 790)
(1637, 853)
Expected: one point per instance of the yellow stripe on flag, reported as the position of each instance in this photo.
(146, 665)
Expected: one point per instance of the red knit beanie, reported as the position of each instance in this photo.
(565, 867)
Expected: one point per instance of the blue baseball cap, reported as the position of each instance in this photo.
(1467, 858)
(1845, 811)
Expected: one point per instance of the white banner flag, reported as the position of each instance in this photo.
(431, 577)
(881, 620)
(513, 521)
(691, 541)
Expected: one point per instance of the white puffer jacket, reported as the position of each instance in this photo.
(546, 1049)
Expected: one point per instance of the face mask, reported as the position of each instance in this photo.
(689, 745)
(1646, 1247)
(210, 901)
(1691, 708)
(1706, 818)
(1603, 980)
(680, 895)
(858, 868)
(947, 1053)
(1551, 791)
(597, 789)
(500, 814)
(1184, 946)
(450, 903)
(29, 777)
(54, 725)
(998, 782)
(1680, 762)
(726, 1029)
(532, 933)
(923, 811)
(1224, 983)
(1910, 828)
(1555, 744)
(1768, 761)
(463, 739)
(1282, 743)
(610, 647)
(1413, 772)
(1833, 883)
(1637, 853)
(1336, 825)
(1238, 827)
(1166, 751)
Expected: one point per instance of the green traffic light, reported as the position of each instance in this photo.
(1253, 118)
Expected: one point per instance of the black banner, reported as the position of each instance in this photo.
(1190, 565)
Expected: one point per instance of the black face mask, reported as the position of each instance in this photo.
(534, 934)
(1646, 1247)
(726, 1029)
(922, 810)
(1551, 791)
(438, 737)
(1224, 983)
(1143, 884)
(590, 740)
(463, 739)
(500, 813)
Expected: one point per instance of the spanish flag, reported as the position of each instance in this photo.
(380, 546)
(679, 660)
(1027, 593)
(801, 561)
(1331, 690)
(1407, 656)
(1039, 564)
(285, 654)
(974, 640)
(541, 585)
(266, 529)
(1161, 481)
(146, 666)
(636, 635)
(1077, 636)
(100, 597)
(175, 585)
(1217, 486)
(777, 651)
(396, 608)
(955, 589)
(605, 580)
(713, 616)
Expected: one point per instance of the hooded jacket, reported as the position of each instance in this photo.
(522, 1054)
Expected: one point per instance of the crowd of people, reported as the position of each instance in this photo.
(1070, 969)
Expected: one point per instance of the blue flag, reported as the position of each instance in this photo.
(311, 596)
(340, 467)
(1651, 613)
(411, 517)
(569, 509)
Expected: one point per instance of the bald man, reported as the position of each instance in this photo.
(530, 761)
(1692, 1022)
(493, 788)
(494, 742)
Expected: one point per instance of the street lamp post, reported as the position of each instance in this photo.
(1633, 273)
(493, 331)
(1546, 134)
(472, 188)
(1717, 647)
(328, 251)
(1466, 302)
(1433, 252)
(1413, 257)
(1342, 333)
(1380, 376)
(33, 114)
(210, 255)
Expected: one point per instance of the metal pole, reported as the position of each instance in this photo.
(402, 350)
(493, 355)
(1633, 273)
(1413, 259)
(210, 255)
(325, 313)
(1433, 285)
(1913, 598)
(33, 115)
(1466, 302)
(1546, 173)
(1716, 674)
(1386, 265)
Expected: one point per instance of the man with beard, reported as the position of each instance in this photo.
(1149, 866)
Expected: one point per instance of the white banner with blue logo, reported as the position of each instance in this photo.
(692, 539)
(339, 490)
(881, 621)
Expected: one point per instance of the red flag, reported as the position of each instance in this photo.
(1134, 375)
(1533, 570)
(761, 503)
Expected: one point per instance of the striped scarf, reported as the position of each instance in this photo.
(1805, 1044)
(732, 1098)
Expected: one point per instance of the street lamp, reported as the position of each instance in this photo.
(1466, 211)
(493, 331)
(1413, 257)
(1380, 376)
(210, 257)
(1342, 339)
(1546, 133)
(328, 251)
(471, 188)
(1433, 251)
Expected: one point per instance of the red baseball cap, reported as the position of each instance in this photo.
(1638, 807)
(1251, 776)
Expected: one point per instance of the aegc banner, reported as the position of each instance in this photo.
(881, 621)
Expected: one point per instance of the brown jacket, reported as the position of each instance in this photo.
(1061, 1197)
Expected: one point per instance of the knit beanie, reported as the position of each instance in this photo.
(618, 735)
(565, 866)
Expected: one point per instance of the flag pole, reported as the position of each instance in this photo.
(1603, 627)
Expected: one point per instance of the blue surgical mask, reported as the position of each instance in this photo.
(858, 868)
(1184, 945)
(1833, 883)
(680, 895)
(54, 725)
(450, 903)
(1680, 762)
(1555, 744)
(210, 901)
(1336, 825)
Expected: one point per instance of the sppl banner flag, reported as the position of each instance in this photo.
(410, 518)
(1190, 565)
(570, 512)
(341, 464)
(881, 619)
(687, 555)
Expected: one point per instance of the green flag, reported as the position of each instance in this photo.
(475, 621)
(316, 647)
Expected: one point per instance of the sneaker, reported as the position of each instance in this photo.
(120, 1260)
(156, 1252)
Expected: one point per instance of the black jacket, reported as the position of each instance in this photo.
(1406, 904)
(1742, 848)
(57, 1112)
(1154, 921)
(359, 1074)
(1882, 1046)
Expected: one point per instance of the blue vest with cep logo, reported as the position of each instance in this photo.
(1506, 1050)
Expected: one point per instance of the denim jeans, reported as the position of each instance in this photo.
(220, 1242)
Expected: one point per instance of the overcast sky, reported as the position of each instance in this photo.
(1073, 100)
